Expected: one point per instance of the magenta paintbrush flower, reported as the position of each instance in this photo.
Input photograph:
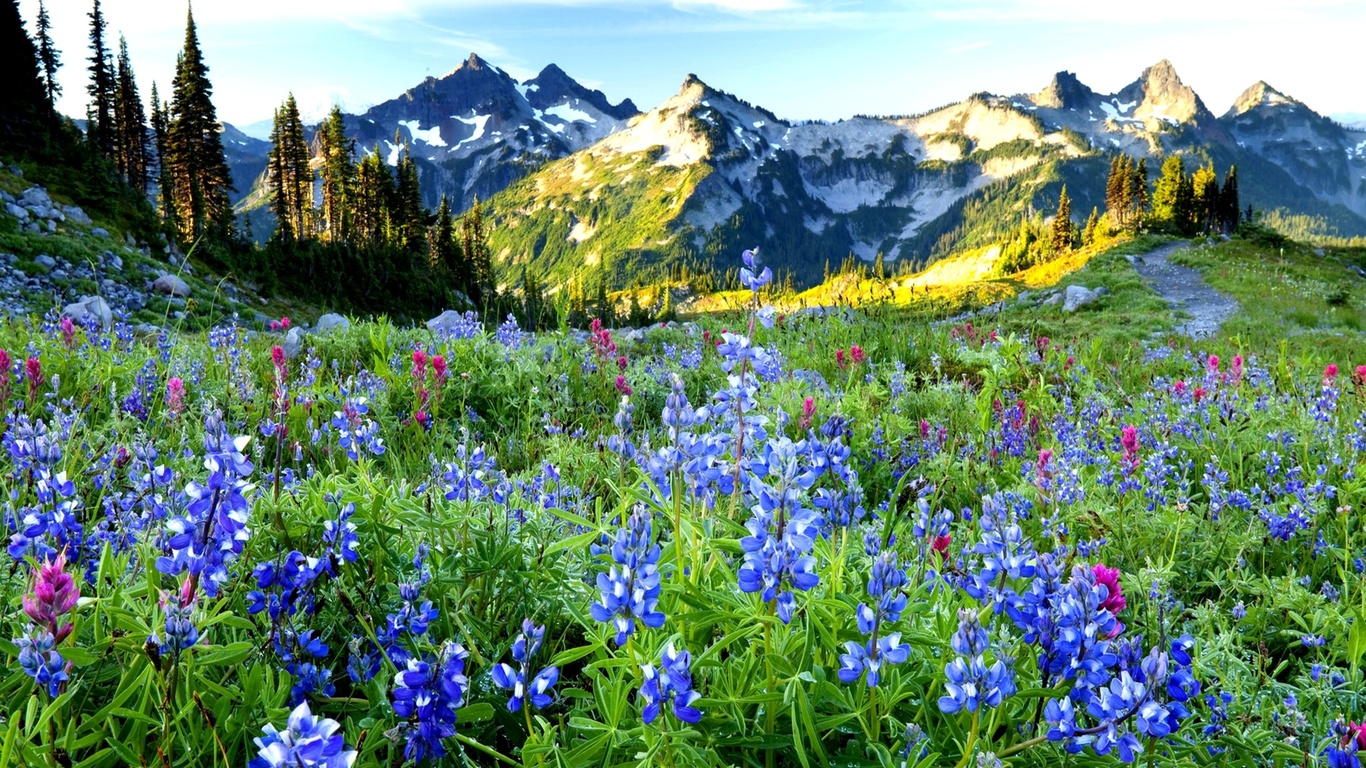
(54, 593)
(1114, 602)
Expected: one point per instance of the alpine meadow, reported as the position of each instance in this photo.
(503, 423)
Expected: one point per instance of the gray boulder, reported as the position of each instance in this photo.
(294, 342)
(1078, 296)
(446, 322)
(1053, 300)
(171, 285)
(44, 260)
(16, 211)
(115, 262)
(75, 214)
(90, 306)
(99, 232)
(35, 197)
(332, 321)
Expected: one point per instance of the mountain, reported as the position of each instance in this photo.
(706, 174)
(473, 131)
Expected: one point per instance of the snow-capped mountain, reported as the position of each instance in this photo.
(478, 129)
(706, 174)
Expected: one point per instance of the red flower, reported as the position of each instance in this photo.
(941, 545)
(857, 354)
(1129, 440)
(621, 362)
(839, 358)
(1114, 602)
(1212, 365)
(623, 387)
(1330, 373)
(54, 592)
(419, 364)
(439, 369)
(808, 411)
(33, 371)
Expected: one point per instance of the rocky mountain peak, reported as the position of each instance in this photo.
(1064, 92)
(1162, 96)
(1260, 94)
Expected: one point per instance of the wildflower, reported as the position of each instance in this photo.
(427, 694)
(623, 387)
(33, 373)
(747, 276)
(1114, 601)
(54, 593)
(68, 333)
(1129, 441)
(808, 411)
(884, 585)
(175, 395)
(839, 359)
(630, 588)
(515, 678)
(439, 370)
(1212, 365)
(941, 545)
(672, 684)
(857, 354)
(971, 684)
(181, 632)
(5, 364)
(1330, 373)
(777, 553)
(308, 742)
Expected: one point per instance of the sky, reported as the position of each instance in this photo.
(826, 59)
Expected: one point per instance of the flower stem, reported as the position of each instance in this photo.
(768, 664)
(972, 740)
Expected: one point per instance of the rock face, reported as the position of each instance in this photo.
(171, 285)
(332, 321)
(90, 306)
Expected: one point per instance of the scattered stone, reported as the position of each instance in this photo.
(75, 214)
(1076, 297)
(92, 306)
(16, 211)
(294, 342)
(99, 232)
(115, 262)
(1024, 296)
(332, 321)
(44, 260)
(172, 285)
(1053, 300)
(446, 322)
(1102, 291)
(35, 197)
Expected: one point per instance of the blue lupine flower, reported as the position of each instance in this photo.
(884, 584)
(782, 530)
(427, 694)
(515, 679)
(40, 660)
(671, 684)
(971, 683)
(747, 276)
(630, 589)
(307, 742)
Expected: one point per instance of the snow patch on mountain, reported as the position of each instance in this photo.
(430, 136)
(569, 114)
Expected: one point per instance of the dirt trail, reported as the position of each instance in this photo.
(1185, 290)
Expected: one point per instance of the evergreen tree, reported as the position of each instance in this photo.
(1114, 185)
(879, 268)
(48, 56)
(1138, 193)
(338, 176)
(1088, 234)
(198, 171)
(1229, 207)
(443, 252)
(474, 245)
(373, 191)
(101, 127)
(1169, 209)
(409, 218)
(1183, 209)
(291, 174)
(603, 305)
(1205, 200)
(23, 99)
(533, 299)
(131, 156)
(160, 130)
(1064, 231)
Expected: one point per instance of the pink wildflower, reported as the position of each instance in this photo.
(439, 369)
(1129, 440)
(1114, 602)
(33, 371)
(1330, 373)
(857, 354)
(839, 359)
(808, 411)
(54, 593)
(1236, 370)
(941, 545)
(1212, 365)
(623, 387)
(175, 395)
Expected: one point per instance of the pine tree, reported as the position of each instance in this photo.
(338, 176)
(443, 252)
(409, 217)
(1183, 208)
(199, 177)
(533, 299)
(475, 247)
(1088, 234)
(373, 191)
(602, 305)
(1064, 231)
(1167, 208)
(101, 127)
(1138, 194)
(23, 99)
(160, 130)
(1229, 207)
(291, 175)
(48, 56)
(1205, 200)
(130, 156)
(1112, 192)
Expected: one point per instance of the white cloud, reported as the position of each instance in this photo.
(968, 47)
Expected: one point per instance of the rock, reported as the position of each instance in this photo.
(99, 232)
(1132, 259)
(1024, 296)
(16, 211)
(634, 335)
(447, 322)
(52, 225)
(115, 263)
(44, 260)
(1102, 291)
(35, 197)
(1077, 296)
(1053, 300)
(76, 214)
(294, 342)
(1318, 252)
(332, 321)
(172, 285)
(91, 306)
(146, 329)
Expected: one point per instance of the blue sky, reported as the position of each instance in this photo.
(800, 58)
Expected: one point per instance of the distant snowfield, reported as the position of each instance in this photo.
(569, 114)
(478, 121)
(430, 136)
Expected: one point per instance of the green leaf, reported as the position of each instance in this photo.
(573, 542)
(571, 655)
(1356, 640)
(476, 712)
(224, 654)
